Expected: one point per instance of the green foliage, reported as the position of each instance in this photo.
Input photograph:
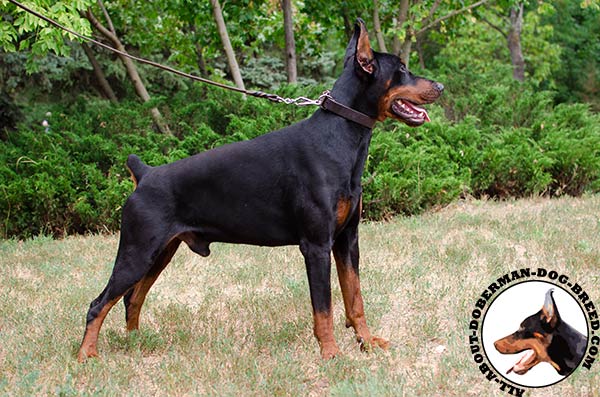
(20, 30)
(570, 137)
(72, 179)
(542, 55)
(265, 72)
(410, 170)
(511, 164)
(576, 30)
(491, 136)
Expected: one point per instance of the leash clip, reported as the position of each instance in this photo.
(304, 101)
(324, 96)
(300, 101)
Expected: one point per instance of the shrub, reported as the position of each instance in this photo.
(512, 143)
(410, 170)
(570, 137)
(511, 164)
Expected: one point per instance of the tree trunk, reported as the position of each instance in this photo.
(132, 71)
(99, 74)
(418, 44)
(420, 35)
(290, 43)
(348, 23)
(233, 65)
(514, 42)
(402, 17)
(140, 89)
(200, 61)
(377, 26)
(199, 56)
(406, 47)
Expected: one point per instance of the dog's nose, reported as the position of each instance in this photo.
(438, 86)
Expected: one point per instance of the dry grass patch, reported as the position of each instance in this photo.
(239, 321)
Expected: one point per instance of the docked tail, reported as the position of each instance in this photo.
(137, 168)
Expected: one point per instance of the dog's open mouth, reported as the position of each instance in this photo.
(525, 363)
(410, 113)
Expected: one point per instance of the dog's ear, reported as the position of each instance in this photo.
(359, 49)
(549, 312)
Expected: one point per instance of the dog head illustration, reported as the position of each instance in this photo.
(533, 336)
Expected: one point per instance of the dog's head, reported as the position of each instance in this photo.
(396, 92)
(533, 337)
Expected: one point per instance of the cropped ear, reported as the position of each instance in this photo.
(549, 312)
(359, 48)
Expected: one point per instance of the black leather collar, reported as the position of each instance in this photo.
(344, 111)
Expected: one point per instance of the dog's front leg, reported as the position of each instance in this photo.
(318, 268)
(346, 254)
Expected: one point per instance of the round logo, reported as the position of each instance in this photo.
(520, 334)
(532, 328)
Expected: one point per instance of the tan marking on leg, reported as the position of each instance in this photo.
(142, 287)
(90, 338)
(323, 329)
(353, 303)
(342, 211)
(137, 300)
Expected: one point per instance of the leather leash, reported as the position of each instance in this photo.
(325, 101)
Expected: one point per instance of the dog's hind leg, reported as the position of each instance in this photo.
(117, 286)
(143, 253)
(99, 308)
(134, 299)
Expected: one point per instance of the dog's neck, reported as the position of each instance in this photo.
(352, 92)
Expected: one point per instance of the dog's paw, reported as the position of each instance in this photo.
(367, 345)
(329, 351)
(380, 342)
(84, 354)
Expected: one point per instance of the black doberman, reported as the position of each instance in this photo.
(297, 186)
(546, 338)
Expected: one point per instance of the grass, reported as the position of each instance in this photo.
(239, 322)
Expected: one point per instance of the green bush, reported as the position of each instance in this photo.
(72, 179)
(511, 164)
(512, 143)
(410, 170)
(570, 137)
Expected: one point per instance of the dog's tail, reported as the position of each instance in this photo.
(137, 168)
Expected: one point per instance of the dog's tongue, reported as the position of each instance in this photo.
(520, 367)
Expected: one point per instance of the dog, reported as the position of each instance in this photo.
(300, 185)
(546, 338)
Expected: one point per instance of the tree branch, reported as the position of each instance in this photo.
(377, 27)
(98, 25)
(433, 9)
(402, 17)
(493, 26)
(107, 17)
(402, 13)
(451, 14)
